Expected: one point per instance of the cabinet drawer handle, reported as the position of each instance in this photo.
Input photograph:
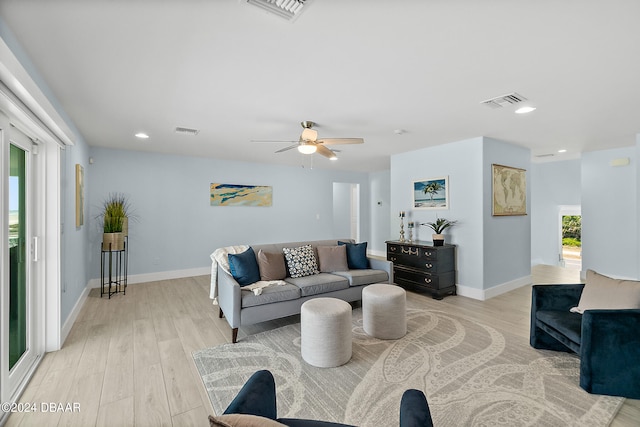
(410, 251)
(393, 258)
(428, 265)
(427, 253)
(427, 280)
(393, 249)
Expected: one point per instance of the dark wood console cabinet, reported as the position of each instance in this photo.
(421, 266)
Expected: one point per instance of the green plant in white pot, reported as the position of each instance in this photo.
(438, 227)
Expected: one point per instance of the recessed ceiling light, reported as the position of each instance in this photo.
(142, 135)
(524, 110)
(562, 151)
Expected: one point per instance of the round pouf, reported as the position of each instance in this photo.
(384, 313)
(325, 332)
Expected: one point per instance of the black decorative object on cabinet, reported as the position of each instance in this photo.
(422, 266)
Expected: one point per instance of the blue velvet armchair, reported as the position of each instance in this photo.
(607, 341)
(258, 397)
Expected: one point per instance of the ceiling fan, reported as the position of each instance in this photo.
(308, 143)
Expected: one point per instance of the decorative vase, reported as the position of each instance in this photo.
(112, 241)
(438, 239)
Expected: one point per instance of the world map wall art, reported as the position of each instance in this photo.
(509, 191)
(240, 195)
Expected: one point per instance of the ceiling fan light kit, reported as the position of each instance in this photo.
(307, 148)
(308, 143)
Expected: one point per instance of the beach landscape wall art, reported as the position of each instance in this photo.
(431, 193)
(241, 195)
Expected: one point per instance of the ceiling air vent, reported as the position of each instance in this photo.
(287, 9)
(545, 155)
(504, 100)
(187, 131)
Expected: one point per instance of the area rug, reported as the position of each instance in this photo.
(471, 373)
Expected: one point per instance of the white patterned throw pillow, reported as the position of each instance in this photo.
(301, 261)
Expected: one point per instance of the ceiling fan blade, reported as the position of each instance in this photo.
(287, 148)
(325, 151)
(270, 141)
(338, 141)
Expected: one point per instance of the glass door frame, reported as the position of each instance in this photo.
(13, 381)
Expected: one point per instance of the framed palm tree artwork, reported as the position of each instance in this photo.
(431, 193)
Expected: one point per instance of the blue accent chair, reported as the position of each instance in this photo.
(258, 397)
(607, 341)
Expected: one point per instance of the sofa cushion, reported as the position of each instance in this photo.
(364, 277)
(301, 261)
(319, 283)
(566, 323)
(332, 258)
(242, 420)
(602, 292)
(270, 294)
(356, 255)
(271, 265)
(244, 267)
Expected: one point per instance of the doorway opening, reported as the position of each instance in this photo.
(346, 210)
(571, 238)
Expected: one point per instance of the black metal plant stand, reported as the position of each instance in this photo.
(113, 270)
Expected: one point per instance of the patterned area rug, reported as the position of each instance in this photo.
(472, 375)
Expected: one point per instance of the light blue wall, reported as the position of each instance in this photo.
(379, 207)
(610, 213)
(462, 163)
(74, 241)
(506, 239)
(177, 229)
(553, 184)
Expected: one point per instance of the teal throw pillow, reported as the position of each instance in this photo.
(356, 255)
(244, 267)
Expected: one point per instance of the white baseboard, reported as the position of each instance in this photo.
(485, 294)
(71, 319)
(161, 275)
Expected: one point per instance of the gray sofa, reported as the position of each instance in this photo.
(241, 307)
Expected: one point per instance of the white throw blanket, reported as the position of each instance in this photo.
(221, 257)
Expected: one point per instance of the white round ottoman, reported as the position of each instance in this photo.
(325, 332)
(384, 313)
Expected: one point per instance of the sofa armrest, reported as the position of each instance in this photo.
(256, 397)
(414, 410)
(555, 297)
(229, 297)
(551, 297)
(610, 351)
(382, 264)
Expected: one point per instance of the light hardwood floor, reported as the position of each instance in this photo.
(127, 361)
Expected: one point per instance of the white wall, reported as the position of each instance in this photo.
(177, 229)
(492, 252)
(553, 184)
(610, 213)
(462, 163)
(506, 239)
(379, 207)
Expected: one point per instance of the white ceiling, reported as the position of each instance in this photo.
(358, 69)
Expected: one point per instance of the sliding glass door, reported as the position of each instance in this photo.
(18, 309)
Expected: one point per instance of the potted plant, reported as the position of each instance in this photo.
(115, 222)
(439, 226)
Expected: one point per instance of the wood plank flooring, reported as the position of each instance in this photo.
(127, 361)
